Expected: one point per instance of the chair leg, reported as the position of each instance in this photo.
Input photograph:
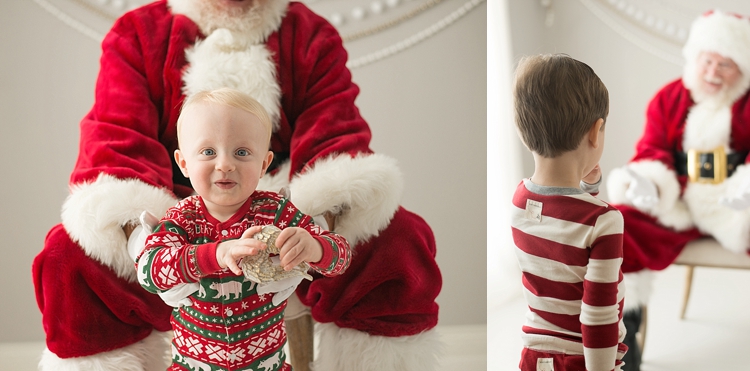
(641, 335)
(688, 286)
(300, 336)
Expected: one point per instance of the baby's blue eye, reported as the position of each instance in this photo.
(208, 152)
(243, 152)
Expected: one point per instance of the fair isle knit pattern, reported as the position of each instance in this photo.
(569, 248)
(229, 326)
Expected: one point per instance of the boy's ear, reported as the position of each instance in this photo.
(596, 134)
(180, 160)
(266, 163)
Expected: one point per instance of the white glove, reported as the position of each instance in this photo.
(176, 296)
(282, 288)
(179, 295)
(740, 200)
(137, 239)
(642, 192)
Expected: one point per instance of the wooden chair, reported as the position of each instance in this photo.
(299, 328)
(706, 252)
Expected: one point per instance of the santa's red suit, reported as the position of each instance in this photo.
(679, 119)
(379, 315)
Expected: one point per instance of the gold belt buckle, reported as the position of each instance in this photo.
(719, 166)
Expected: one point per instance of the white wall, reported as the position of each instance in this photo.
(616, 48)
(426, 107)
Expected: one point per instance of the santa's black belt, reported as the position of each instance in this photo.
(708, 167)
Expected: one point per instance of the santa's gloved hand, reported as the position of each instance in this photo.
(282, 289)
(740, 200)
(175, 296)
(642, 192)
(179, 295)
(137, 239)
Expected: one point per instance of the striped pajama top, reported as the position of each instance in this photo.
(569, 248)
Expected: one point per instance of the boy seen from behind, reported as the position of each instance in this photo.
(568, 243)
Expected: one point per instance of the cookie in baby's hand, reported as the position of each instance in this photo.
(261, 268)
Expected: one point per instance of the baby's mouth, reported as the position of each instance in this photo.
(225, 183)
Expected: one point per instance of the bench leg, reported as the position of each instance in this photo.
(640, 337)
(300, 336)
(688, 286)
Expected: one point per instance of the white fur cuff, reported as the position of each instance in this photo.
(94, 214)
(364, 190)
(343, 349)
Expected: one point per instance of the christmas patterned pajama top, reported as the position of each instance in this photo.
(229, 326)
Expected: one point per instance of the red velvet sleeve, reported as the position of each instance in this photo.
(390, 287)
(120, 135)
(86, 309)
(317, 90)
(665, 122)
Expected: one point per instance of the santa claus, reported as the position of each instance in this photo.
(379, 315)
(689, 176)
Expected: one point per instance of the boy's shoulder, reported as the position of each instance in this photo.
(563, 203)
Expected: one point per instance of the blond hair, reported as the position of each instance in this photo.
(556, 99)
(233, 98)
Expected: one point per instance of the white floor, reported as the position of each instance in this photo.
(715, 334)
(465, 349)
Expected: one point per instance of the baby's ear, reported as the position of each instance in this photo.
(180, 160)
(266, 163)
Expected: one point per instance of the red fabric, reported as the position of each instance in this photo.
(130, 132)
(558, 236)
(647, 244)
(665, 125)
(85, 308)
(390, 286)
(561, 362)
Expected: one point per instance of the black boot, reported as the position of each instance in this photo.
(632, 321)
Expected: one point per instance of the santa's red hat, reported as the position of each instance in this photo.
(727, 34)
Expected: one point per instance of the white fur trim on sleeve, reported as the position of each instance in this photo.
(94, 214)
(364, 190)
(671, 210)
(150, 354)
(343, 349)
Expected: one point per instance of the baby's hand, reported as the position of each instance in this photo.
(297, 245)
(228, 253)
(593, 176)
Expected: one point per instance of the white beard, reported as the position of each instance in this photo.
(256, 22)
(725, 97)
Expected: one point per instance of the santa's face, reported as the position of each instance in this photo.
(224, 152)
(716, 74)
(233, 5)
(241, 16)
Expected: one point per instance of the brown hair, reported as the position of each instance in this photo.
(556, 99)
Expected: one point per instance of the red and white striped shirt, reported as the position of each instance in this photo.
(569, 248)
